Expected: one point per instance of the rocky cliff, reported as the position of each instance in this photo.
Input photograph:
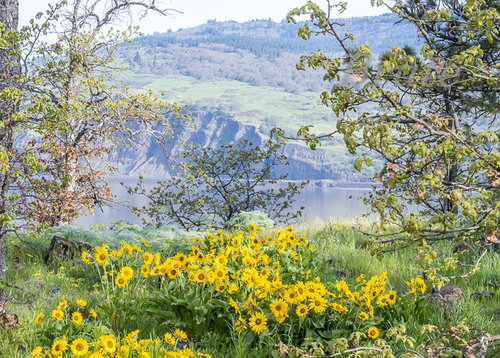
(211, 129)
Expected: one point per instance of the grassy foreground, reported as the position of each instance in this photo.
(309, 292)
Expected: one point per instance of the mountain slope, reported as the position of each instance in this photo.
(244, 76)
(216, 128)
(258, 52)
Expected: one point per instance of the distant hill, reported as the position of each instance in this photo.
(246, 73)
(217, 128)
(259, 52)
(266, 37)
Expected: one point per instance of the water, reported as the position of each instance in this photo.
(325, 203)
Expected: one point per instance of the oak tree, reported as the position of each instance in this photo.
(63, 112)
(71, 87)
(212, 185)
(435, 125)
(9, 97)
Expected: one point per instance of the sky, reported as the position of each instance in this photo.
(197, 12)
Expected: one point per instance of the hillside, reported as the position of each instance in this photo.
(247, 72)
(213, 128)
(260, 52)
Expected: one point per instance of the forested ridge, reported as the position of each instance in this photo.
(258, 52)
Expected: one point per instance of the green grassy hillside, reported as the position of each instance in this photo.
(260, 106)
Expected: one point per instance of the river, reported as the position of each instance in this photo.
(321, 201)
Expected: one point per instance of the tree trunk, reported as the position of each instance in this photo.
(9, 68)
(452, 169)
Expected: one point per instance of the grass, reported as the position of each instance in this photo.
(33, 285)
(342, 249)
(260, 106)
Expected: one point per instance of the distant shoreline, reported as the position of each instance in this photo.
(332, 184)
(313, 183)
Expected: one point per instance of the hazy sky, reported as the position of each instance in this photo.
(196, 12)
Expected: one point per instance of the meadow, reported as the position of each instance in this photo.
(260, 106)
(252, 291)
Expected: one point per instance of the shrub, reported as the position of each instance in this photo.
(243, 220)
(213, 185)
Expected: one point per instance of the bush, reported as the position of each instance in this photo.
(215, 184)
(75, 234)
(243, 220)
(250, 290)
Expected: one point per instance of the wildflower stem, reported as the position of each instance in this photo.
(350, 351)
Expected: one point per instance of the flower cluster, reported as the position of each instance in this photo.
(417, 284)
(61, 313)
(252, 274)
(174, 345)
(129, 346)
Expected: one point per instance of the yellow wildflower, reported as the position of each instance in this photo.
(318, 304)
(180, 333)
(127, 272)
(79, 347)
(373, 332)
(59, 346)
(58, 314)
(169, 339)
(38, 318)
(108, 342)
(302, 310)
(76, 318)
(258, 322)
(62, 304)
(85, 257)
(37, 352)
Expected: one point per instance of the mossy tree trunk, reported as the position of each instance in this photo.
(9, 69)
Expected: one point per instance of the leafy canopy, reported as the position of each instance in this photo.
(74, 111)
(213, 185)
(434, 129)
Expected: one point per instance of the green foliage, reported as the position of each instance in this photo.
(435, 125)
(72, 113)
(8, 39)
(168, 238)
(3, 41)
(215, 184)
(336, 255)
(213, 295)
(75, 234)
(242, 221)
(196, 311)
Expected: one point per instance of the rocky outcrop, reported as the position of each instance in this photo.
(212, 129)
(447, 296)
